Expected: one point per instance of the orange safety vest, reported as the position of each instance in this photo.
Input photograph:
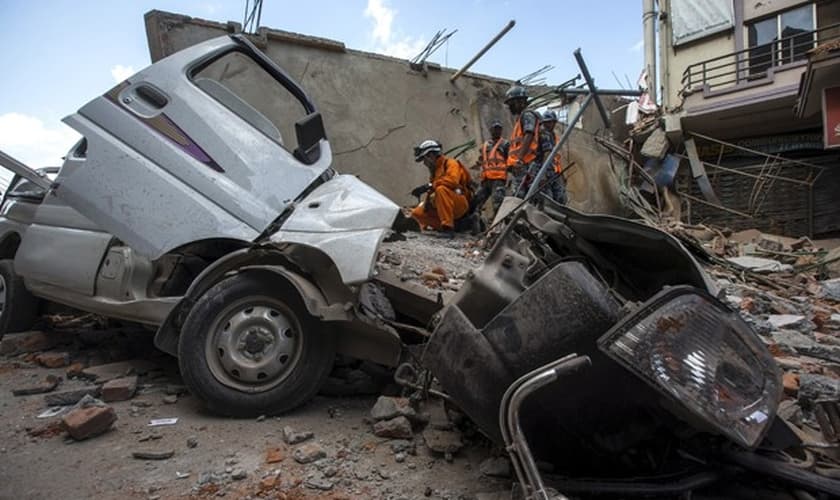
(516, 143)
(493, 165)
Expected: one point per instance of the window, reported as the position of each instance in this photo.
(761, 37)
(245, 88)
(796, 27)
(781, 39)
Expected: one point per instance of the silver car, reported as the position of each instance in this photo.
(202, 201)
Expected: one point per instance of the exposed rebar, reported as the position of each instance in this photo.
(484, 49)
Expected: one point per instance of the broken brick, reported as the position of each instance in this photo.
(36, 341)
(748, 305)
(387, 408)
(443, 441)
(49, 430)
(428, 276)
(75, 370)
(776, 350)
(308, 453)
(274, 455)
(790, 381)
(319, 484)
(268, 482)
(395, 428)
(104, 373)
(53, 359)
(290, 436)
(821, 317)
(47, 385)
(84, 423)
(119, 389)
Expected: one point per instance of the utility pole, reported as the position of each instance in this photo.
(649, 24)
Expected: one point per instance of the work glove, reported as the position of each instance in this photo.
(419, 190)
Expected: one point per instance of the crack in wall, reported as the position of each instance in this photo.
(305, 69)
(374, 138)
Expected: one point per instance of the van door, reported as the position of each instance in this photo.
(199, 145)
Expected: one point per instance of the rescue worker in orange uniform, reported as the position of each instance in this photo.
(447, 193)
(554, 182)
(524, 140)
(493, 164)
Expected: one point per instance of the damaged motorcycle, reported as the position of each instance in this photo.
(597, 348)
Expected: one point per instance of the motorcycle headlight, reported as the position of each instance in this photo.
(691, 347)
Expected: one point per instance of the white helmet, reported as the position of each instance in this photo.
(425, 147)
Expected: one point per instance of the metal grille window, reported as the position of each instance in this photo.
(782, 39)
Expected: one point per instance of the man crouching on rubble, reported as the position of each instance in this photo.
(447, 193)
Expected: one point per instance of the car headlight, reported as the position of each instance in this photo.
(694, 349)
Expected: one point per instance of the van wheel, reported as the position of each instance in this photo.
(18, 307)
(248, 347)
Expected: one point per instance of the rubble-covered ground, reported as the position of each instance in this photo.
(334, 447)
(436, 263)
(79, 397)
(788, 290)
(347, 443)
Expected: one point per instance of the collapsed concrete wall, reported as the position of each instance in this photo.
(375, 108)
(591, 181)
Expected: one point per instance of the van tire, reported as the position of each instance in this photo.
(234, 340)
(18, 307)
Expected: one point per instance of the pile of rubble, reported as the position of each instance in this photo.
(397, 418)
(789, 291)
(437, 264)
(78, 402)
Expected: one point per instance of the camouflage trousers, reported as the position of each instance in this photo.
(489, 188)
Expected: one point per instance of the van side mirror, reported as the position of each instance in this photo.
(309, 131)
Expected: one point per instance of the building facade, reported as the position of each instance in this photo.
(746, 80)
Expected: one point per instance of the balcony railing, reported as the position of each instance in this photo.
(755, 63)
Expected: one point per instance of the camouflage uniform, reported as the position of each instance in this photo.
(529, 122)
(554, 182)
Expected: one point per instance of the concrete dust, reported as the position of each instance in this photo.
(431, 261)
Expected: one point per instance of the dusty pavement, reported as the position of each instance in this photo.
(211, 456)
